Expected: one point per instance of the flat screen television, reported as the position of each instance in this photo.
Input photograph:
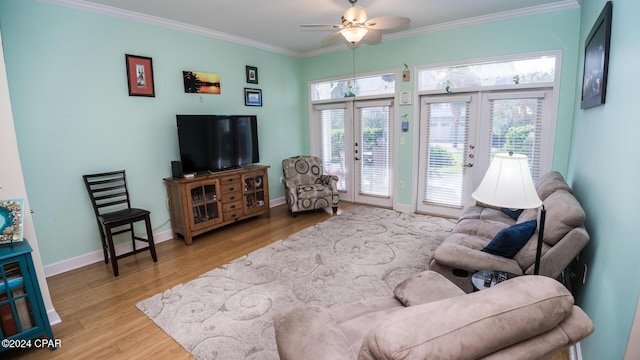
(217, 142)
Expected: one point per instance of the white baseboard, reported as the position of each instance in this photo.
(53, 316)
(97, 256)
(575, 352)
(403, 208)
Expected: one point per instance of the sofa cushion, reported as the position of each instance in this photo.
(450, 328)
(549, 183)
(425, 287)
(509, 241)
(310, 333)
(482, 227)
(564, 213)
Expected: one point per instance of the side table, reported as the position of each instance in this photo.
(23, 316)
(485, 279)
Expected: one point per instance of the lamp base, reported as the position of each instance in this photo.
(543, 215)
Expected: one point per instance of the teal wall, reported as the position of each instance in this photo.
(73, 115)
(605, 177)
(543, 32)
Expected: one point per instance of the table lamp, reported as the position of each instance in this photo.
(508, 184)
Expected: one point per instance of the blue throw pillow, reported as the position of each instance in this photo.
(509, 241)
(512, 213)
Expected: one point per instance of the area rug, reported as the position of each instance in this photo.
(364, 253)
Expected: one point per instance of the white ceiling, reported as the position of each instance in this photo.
(275, 24)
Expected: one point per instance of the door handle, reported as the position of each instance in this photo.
(356, 158)
(468, 165)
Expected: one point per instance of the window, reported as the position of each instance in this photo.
(379, 84)
(504, 73)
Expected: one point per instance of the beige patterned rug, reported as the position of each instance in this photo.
(364, 253)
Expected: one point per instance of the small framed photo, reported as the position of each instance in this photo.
(596, 60)
(252, 97)
(405, 98)
(140, 75)
(252, 74)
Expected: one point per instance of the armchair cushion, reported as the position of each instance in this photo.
(509, 241)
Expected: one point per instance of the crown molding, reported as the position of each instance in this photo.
(153, 20)
(505, 15)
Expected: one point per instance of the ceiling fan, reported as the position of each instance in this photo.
(357, 28)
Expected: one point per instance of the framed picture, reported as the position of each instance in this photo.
(252, 97)
(201, 82)
(405, 98)
(252, 74)
(140, 75)
(596, 60)
(11, 220)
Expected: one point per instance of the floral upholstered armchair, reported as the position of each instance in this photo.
(306, 187)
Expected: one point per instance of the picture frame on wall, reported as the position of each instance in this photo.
(252, 74)
(596, 60)
(140, 75)
(252, 97)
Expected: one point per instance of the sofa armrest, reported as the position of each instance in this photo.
(462, 257)
(310, 333)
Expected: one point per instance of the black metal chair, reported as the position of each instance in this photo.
(110, 198)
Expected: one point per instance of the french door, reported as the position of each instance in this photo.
(447, 152)
(355, 144)
(460, 134)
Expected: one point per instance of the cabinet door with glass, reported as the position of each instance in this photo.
(256, 192)
(22, 312)
(206, 208)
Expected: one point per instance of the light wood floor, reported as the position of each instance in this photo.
(99, 317)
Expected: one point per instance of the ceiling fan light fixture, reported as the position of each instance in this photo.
(355, 14)
(355, 34)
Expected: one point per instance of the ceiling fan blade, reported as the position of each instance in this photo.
(331, 26)
(331, 38)
(372, 37)
(387, 22)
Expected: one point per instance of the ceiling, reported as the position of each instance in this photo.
(275, 24)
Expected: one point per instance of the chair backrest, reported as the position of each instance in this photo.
(302, 169)
(108, 191)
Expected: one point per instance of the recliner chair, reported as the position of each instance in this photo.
(307, 187)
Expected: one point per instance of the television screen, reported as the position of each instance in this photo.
(247, 139)
(217, 142)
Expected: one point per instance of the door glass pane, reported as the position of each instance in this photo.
(374, 123)
(333, 145)
(447, 125)
(516, 125)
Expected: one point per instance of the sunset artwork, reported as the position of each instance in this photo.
(201, 82)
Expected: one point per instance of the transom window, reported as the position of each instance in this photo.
(378, 84)
(538, 70)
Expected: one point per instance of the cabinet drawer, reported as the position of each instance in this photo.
(230, 187)
(228, 179)
(230, 215)
(231, 197)
(232, 206)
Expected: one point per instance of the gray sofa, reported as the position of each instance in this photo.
(460, 255)
(528, 317)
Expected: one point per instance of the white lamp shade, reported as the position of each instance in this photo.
(354, 34)
(508, 184)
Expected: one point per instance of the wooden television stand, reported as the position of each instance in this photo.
(211, 200)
